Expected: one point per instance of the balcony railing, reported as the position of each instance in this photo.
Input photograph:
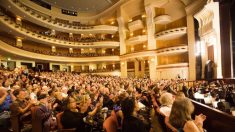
(59, 24)
(137, 39)
(171, 33)
(162, 19)
(36, 35)
(32, 55)
(49, 52)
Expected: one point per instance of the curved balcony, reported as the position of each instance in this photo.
(31, 55)
(176, 65)
(46, 21)
(162, 19)
(172, 50)
(11, 25)
(158, 52)
(135, 25)
(140, 54)
(137, 40)
(171, 33)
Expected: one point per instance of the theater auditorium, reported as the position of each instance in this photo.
(117, 65)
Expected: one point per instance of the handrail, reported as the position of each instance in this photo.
(216, 120)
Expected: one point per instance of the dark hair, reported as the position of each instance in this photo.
(16, 92)
(128, 106)
(42, 96)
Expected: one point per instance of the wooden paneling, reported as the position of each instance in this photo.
(172, 59)
(171, 43)
(225, 38)
(216, 121)
(210, 50)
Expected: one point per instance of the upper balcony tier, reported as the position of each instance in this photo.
(172, 50)
(171, 33)
(7, 24)
(162, 19)
(137, 40)
(8, 49)
(135, 25)
(157, 52)
(45, 20)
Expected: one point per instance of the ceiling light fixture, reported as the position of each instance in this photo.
(18, 19)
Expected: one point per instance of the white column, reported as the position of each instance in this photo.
(123, 69)
(216, 26)
(142, 68)
(18, 63)
(61, 67)
(122, 35)
(136, 68)
(50, 66)
(83, 67)
(72, 68)
(153, 67)
(191, 47)
(150, 14)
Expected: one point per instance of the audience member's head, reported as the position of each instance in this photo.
(181, 112)
(128, 107)
(166, 99)
(20, 94)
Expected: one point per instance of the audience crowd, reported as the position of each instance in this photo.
(62, 100)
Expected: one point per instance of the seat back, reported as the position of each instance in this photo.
(58, 118)
(15, 120)
(161, 120)
(60, 126)
(37, 125)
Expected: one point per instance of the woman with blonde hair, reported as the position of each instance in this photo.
(166, 100)
(180, 116)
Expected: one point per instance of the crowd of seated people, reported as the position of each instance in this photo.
(62, 100)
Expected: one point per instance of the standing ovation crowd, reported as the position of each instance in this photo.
(86, 103)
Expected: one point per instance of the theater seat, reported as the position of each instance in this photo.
(60, 126)
(36, 124)
(164, 122)
(15, 121)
